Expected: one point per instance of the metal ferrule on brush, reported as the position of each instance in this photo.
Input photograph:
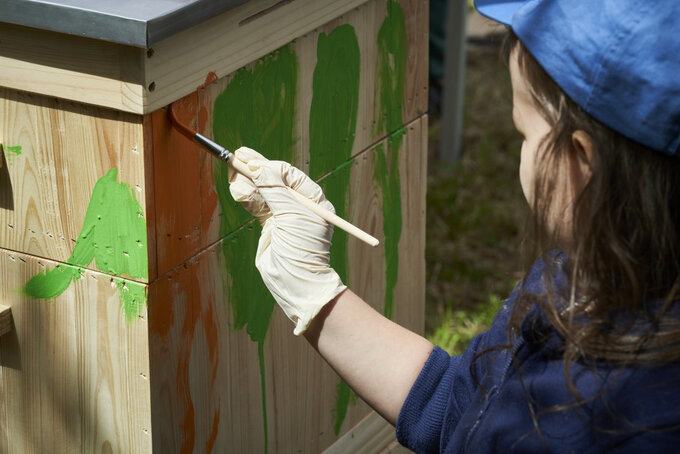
(215, 148)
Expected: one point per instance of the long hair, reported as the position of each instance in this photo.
(624, 236)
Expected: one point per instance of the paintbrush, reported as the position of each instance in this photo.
(227, 156)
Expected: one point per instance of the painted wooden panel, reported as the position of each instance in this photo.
(56, 154)
(226, 372)
(74, 370)
(315, 102)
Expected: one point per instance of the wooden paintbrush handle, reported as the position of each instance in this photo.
(334, 219)
(314, 207)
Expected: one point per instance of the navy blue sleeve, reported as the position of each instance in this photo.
(444, 389)
(444, 386)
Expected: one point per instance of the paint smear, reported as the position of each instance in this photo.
(14, 150)
(392, 55)
(332, 127)
(11, 153)
(256, 109)
(114, 235)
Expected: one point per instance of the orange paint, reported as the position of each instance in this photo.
(209, 195)
(210, 78)
(213, 430)
(212, 337)
(161, 316)
(193, 301)
(177, 162)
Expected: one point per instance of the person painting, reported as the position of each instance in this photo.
(584, 356)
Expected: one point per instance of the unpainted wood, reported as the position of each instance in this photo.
(187, 210)
(372, 435)
(72, 67)
(74, 373)
(65, 148)
(205, 376)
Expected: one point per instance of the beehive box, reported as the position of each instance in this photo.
(140, 323)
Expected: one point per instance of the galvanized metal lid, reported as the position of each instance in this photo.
(131, 22)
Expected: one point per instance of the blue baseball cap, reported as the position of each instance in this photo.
(617, 59)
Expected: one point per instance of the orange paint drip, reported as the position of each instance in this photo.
(188, 424)
(213, 431)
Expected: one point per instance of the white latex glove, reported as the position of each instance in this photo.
(294, 248)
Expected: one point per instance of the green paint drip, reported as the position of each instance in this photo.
(332, 128)
(386, 175)
(342, 397)
(12, 150)
(132, 297)
(392, 55)
(114, 235)
(256, 109)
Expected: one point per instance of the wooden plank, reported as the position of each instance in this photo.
(74, 370)
(205, 377)
(229, 41)
(206, 369)
(5, 319)
(71, 67)
(56, 152)
(372, 435)
(139, 81)
(192, 215)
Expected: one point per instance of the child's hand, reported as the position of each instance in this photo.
(293, 252)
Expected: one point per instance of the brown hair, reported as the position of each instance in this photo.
(624, 249)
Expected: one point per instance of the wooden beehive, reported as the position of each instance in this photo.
(140, 323)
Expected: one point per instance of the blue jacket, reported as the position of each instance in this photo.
(628, 410)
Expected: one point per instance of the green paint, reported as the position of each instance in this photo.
(335, 101)
(132, 297)
(256, 109)
(386, 175)
(53, 282)
(332, 127)
(392, 55)
(114, 235)
(13, 150)
(11, 153)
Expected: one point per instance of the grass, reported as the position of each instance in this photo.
(476, 210)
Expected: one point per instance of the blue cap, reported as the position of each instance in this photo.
(617, 59)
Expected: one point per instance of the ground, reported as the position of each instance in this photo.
(475, 209)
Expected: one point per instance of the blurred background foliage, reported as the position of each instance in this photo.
(475, 208)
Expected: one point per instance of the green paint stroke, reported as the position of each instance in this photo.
(332, 128)
(12, 150)
(256, 109)
(392, 55)
(114, 235)
(335, 100)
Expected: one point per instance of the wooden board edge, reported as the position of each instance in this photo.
(373, 434)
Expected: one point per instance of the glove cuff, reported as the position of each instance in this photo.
(302, 322)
